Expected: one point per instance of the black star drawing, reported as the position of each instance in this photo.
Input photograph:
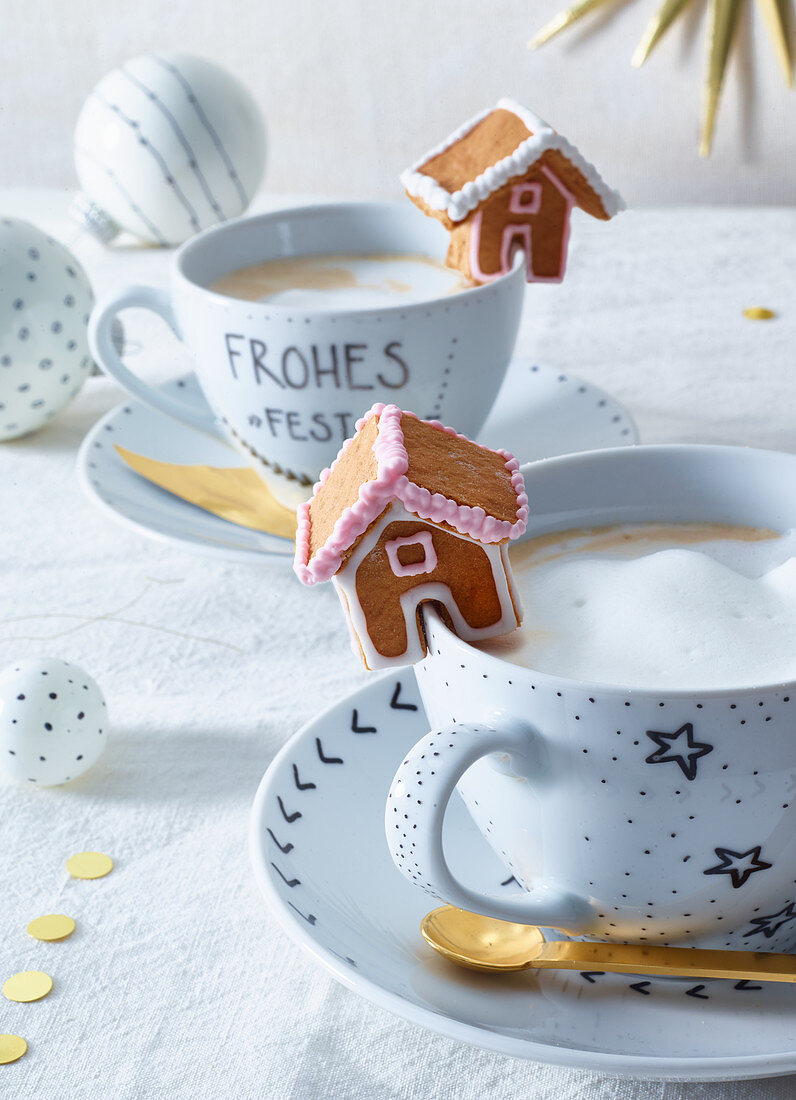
(769, 925)
(678, 748)
(738, 865)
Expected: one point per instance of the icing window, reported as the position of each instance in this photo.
(419, 555)
(526, 198)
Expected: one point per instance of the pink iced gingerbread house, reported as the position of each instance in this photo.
(504, 181)
(409, 513)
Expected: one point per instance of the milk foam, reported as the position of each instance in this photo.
(679, 609)
(341, 281)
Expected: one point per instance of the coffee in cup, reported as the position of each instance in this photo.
(343, 281)
(698, 605)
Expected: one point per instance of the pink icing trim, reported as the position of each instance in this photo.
(374, 496)
(520, 204)
(302, 542)
(428, 563)
(475, 252)
(565, 238)
(511, 231)
(391, 484)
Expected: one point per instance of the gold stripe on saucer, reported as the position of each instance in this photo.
(236, 493)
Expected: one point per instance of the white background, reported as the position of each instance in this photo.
(353, 90)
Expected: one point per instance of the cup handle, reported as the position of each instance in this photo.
(105, 354)
(416, 806)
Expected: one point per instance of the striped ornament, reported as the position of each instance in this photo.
(167, 145)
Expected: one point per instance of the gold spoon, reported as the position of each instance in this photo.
(498, 947)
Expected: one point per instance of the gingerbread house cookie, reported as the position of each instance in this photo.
(506, 181)
(411, 512)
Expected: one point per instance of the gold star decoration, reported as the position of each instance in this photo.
(722, 23)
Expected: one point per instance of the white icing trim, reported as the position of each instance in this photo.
(345, 585)
(543, 138)
(532, 121)
(512, 584)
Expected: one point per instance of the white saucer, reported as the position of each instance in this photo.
(539, 413)
(135, 502)
(320, 857)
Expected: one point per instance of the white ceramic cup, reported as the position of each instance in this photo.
(286, 385)
(612, 830)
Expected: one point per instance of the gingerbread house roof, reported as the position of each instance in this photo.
(473, 162)
(433, 471)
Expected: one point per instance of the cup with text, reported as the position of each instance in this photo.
(285, 384)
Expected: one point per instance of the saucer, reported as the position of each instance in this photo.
(539, 413)
(320, 857)
(135, 502)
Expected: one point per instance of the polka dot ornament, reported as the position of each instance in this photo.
(53, 722)
(166, 145)
(45, 302)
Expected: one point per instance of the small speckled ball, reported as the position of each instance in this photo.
(53, 721)
(45, 302)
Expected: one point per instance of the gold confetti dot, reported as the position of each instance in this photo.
(52, 929)
(759, 313)
(11, 1048)
(89, 865)
(28, 985)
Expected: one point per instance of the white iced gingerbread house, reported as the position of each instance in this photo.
(409, 513)
(504, 181)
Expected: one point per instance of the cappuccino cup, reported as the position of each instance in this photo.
(286, 378)
(627, 805)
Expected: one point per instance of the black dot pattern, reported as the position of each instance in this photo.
(51, 716)
(43, 302)
(646, 816)
(341, 916)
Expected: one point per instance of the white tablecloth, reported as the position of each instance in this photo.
(178, 982)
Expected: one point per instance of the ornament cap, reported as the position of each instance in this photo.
(92, 218)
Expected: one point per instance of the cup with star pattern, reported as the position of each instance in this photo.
(620, 814)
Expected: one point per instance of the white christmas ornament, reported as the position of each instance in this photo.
(166, 145)
(53, 721)
(45, 301)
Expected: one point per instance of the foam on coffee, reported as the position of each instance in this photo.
(340, 281)
(663, 606)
